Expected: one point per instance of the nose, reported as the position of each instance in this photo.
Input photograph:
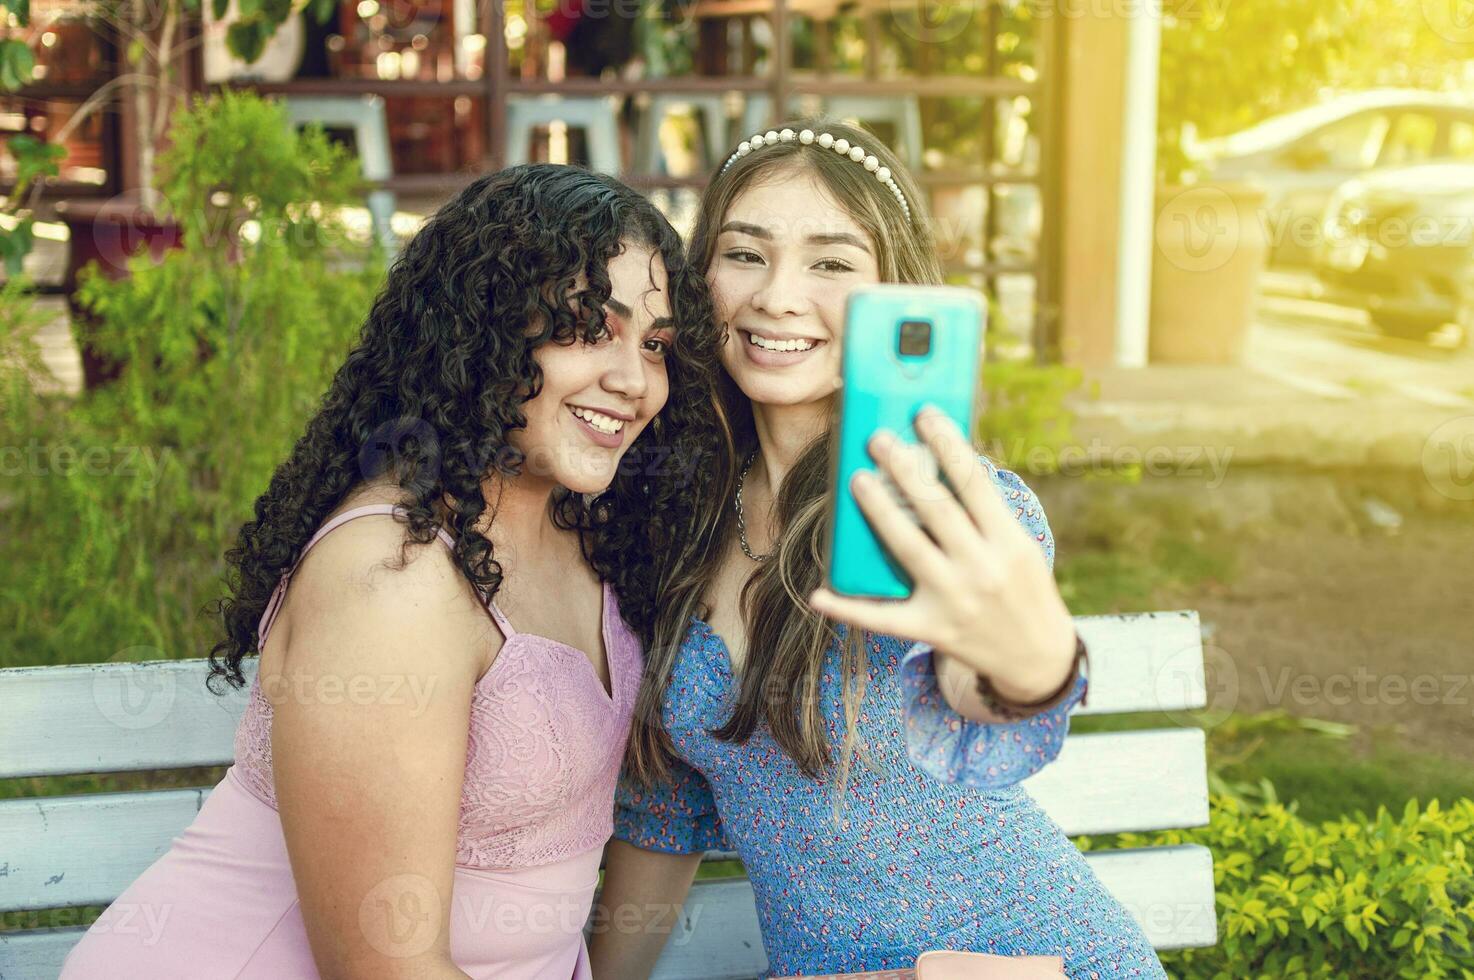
(781, 292)
(624, 373)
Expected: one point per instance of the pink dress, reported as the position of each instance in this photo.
(545, 746)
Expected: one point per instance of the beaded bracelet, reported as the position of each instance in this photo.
(1009, 710)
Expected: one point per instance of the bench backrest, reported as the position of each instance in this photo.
(65, 852)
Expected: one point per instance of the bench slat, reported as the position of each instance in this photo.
(115, 718)
(1169, 890)
(1143, 662)
(94, 846)
(122, 717)
(36, 954)
(1122, 781)
(85, 850)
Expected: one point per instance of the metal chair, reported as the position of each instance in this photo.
(365, 117)
(595, 115)
(711, 111)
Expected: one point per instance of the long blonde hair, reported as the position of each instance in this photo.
(787, 641)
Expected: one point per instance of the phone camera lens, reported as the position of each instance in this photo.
(915, 338)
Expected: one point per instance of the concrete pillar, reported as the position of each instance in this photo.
(1097, 44)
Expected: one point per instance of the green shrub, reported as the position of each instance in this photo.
(1348, 898)
(129, 496)
(1025, 422)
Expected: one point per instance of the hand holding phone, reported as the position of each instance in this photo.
(921, 543)
(983, 593)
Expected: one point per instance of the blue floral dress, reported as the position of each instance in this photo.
(935, 846)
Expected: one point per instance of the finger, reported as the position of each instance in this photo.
(915, 474)
(893, 526)
(891, 618)
(966, 472)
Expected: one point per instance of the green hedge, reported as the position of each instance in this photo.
(118, 505)
(1350, 898)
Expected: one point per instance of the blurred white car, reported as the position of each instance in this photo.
(1301, 157)
(1400, 244)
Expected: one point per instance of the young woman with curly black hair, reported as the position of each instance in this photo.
(420, 788)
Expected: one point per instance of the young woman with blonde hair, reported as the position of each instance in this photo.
(863, 758)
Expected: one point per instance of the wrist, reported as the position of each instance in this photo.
(1036, 678)
(1014, 699)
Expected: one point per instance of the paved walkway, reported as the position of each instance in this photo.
(1319, 385)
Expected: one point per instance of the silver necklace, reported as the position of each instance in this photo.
(742, 523)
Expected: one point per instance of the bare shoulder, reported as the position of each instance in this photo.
(368, 592)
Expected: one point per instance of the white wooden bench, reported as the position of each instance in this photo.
(71, 851)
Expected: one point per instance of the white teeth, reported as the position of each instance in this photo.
(779, 345)
(599, 420)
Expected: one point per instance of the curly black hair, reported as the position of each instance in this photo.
(438, 377)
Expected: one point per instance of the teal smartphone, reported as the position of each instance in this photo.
(904, 347)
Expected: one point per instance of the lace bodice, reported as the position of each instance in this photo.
(544, 747)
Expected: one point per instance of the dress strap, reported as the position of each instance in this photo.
(278, 595)
(502, 622)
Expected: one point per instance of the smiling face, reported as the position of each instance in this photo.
(787, 255)
(597, 398)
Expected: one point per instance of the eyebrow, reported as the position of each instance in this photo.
(625, 313)
(831, 238)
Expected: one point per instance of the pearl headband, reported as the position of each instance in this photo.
(826, 141)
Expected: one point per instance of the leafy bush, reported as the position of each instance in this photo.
(127, 498)
(1348, 898)
(1025, 422)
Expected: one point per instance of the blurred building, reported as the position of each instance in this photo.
(1025, 122)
